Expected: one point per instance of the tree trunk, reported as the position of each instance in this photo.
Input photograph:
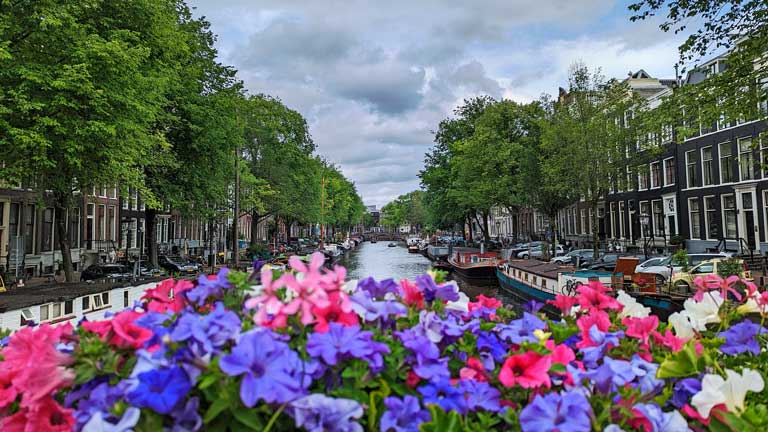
(150, 224)
(595, 238)
(468, 237)
(486, 233)
(254, 229)
(62, 209)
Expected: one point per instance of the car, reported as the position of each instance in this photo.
(146, 268)
(664, 268)
(538, 251)
(177, 264)
(571, 257)
(104, 271)
(683, 281)
(608, 261)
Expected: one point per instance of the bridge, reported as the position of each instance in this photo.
(382, 236)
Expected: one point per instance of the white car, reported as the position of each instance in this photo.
(571, 256)
(663, 268)
(537, 252)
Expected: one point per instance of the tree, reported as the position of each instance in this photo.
(81, 86)
(738, 27)
(591, 126)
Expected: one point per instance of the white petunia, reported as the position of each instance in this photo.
(461, 305)
(704, 312)
(349, 286)
(730, 391)
(681, 322)
(750, 306)
(632, 308)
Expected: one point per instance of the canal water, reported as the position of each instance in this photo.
(382, 262)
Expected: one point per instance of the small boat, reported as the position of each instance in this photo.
(413, 249)
(373, 240)
(437, 253)
(392, 245)
(472, 265)
(442, 265)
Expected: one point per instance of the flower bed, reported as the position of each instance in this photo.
(309, 351)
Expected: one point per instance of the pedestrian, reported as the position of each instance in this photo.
(112, 255)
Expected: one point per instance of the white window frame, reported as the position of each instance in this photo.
(664, 170)
(612, 213)
(658, 230)
(690, 218)
(720, 162)
(583, 215)
(622, 225)
(711, 167)
(689, 182)
(661, 175)
(751, 157)
(707, 222)
(724, 231)
(640, 170)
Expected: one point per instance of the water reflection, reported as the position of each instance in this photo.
(382, 262)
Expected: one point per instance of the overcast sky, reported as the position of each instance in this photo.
(374, 78)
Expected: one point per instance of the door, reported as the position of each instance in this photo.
(748, 211)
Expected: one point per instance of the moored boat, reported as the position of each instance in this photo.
(413, 249)
(436, 253)
(473, 265)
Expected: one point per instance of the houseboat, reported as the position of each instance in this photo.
(527, 280)
(473, 265)
(437, 253)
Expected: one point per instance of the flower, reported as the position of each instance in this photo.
(490, 342)
(101, 422)
(645, 375)
(683, 390)
(160, 389)
(480, 395)
(273, 372)
(460, 305)
(564, 303)
(591, 297)
(553, 412)
(120, 331)
(403, 415)
(730, 391)
(412, 295)
(339, 310)
(186, 417)
(527, 370)
(448, 291)
(370, 310)
(167, 296)
(669, 340)
(641, 328)
(320, 413)
(270, 310)
(481, 301)
(632, 308)
(378, 289)
(442, 393)
(532, 306)
(713, 281)
(209, 286)
(206, 334)
(611, 374)
(597, 318)
(429, 363)
(521, 330)
(44, 416)
(341, 342)
(475, 370)
(740, 338)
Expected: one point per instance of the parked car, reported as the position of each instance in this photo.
(572, 256)
(177, 265)
(538, 252)
(683, 281)
(104, 271)
(665, 268)
(608, 261)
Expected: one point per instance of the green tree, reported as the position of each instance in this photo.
(738, 27)
(81, 86)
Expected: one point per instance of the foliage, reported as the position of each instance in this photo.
(406, 209)
(680, 258)
(310, 353)
(730, 267)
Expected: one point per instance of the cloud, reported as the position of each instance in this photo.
(374, 79)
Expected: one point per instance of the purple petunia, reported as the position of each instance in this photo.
(206, 334)
(684, 390)
(604, 341)
(480, 395)
(487, 341)
(521, 330)
(186, 417)
(106, 422)
(662, 421)
(320, 413)
(611, 374)
(160, 389)
(532, 306)
(740, 338)
(273, 372)
(553, 412)
(437, 328)
(428, 363)
(403, 415)
(343, 342)
(645, 375)
(448, 291)
(371, 310)
(207, 288)
(448, 397)
(378, 290)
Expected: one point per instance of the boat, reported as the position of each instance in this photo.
(527, 280)
(437, 253)
(413, 249)
(442, 265)
(392, 245)
(473, 265)
(373, 240)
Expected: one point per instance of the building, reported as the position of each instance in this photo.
(708, 193)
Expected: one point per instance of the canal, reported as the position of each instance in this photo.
(382, 262)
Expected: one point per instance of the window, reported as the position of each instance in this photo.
(666, 134)
(746, 160)
(113, 193)
(726, 165)
(656, 175)
(710, 208)
(690, 170)
(101, 222)
(669, 172)
(612, 212)
(111, 227)
(125, 298)
(729, 216)
(134, 200)
(645, 210)
(704, 268)
(90, 224)
(44, 316)
(583, 221)
(29, 228)
(621, 219)
(694, 212)
(706, 166)
(74, 228)
(47, 232)
(658, 217)
(643, 179)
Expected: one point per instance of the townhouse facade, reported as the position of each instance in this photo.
(708, 193)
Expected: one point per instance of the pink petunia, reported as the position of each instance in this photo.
(483, 301)
(712, 282)
(527, 370)
(641, 328)
(474, 370)
(166, 296)
(564, 303)
(561, 354)
(338, 310)
(590, 298)
(595, 317)
(412, 295)
(669, 340)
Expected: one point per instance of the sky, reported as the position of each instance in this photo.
(375, 78)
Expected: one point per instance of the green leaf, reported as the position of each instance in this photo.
(216, 408)
(682, 363)
(442, 421)
(249, 417)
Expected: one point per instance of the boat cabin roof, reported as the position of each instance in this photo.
(540, 268)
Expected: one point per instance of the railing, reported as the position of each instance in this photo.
(722, 246)
(100, 245)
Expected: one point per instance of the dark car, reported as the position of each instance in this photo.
(146, 268)
(608, 261)
(104, 271)
(174, 264)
